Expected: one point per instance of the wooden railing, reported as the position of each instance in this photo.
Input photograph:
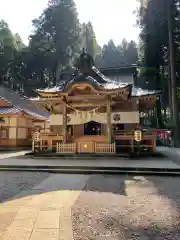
(120, 132)
(66, 148)
(105, 148)
(45, 130)
(49, 134)
(123, 132)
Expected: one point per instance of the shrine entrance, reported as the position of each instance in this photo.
(92, 128)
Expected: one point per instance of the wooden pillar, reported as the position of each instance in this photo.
(17, 129)
(132, 145)
(65, 123)
(109, 127)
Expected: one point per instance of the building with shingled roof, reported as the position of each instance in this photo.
(17, 119)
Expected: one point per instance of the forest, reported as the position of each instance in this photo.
(58, 37)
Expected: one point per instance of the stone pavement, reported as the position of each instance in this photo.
(171, 153)
(43, 212)
(160, 163)
(7, 154)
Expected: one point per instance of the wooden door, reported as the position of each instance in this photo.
(86, 147)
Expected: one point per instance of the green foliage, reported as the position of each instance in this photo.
(123, 54)
(160, 35)
(57, 39)
(56, 36)
(89, 39)
(152, 18)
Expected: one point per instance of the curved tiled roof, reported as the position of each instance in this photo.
(9, 110)
(83, 79)
(98, 81)
(20, 104)
(139, 92)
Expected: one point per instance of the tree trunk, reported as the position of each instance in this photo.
(170, 88)
(165, 114)
(158, 101)
(58, 70)
(173, 75)
(160, 123)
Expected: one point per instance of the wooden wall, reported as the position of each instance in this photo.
(16, 131)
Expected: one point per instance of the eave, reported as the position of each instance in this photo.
(131, 69)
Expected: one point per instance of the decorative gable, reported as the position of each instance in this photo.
(81, 89)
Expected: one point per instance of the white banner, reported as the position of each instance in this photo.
(116, 117)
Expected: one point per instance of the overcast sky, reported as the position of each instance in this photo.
(112, 19)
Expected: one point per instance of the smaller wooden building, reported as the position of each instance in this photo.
(91, 113)
(18, 119)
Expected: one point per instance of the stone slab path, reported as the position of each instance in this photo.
(44, 211)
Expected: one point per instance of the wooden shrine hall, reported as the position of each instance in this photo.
(93, 113)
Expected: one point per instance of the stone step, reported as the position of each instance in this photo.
(96, 156)
(90, 170)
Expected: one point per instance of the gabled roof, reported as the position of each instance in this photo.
(87, 73)
(20, 104)
(99, 81)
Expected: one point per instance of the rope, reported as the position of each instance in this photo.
(89, 111)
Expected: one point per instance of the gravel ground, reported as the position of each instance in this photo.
(11, 183)
(120, 208)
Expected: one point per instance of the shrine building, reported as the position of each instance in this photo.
(94, 112)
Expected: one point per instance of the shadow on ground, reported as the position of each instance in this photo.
(110, 206)
(127, 207)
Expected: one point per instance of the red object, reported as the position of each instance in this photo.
(163, 134)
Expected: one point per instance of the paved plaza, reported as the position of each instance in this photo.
(41, 205)
(73, 207)
(42, 211)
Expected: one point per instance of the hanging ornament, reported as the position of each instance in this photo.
(82, 115)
